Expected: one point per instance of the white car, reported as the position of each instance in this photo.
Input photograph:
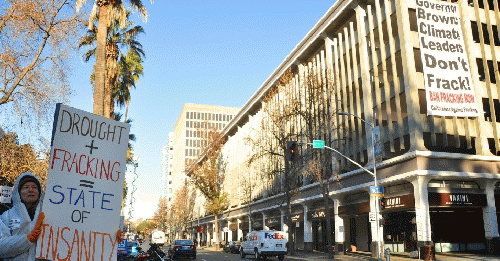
(264, 243)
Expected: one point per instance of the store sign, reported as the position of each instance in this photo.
(405, 201)
(318, 214)
(272, 221)
(447, 77)
(457, 199)
(297, 217)
(256, 224)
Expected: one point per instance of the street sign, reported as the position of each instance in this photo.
(377, 191)
(372, 216)
(318, 144)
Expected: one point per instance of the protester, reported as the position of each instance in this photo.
(21, 225)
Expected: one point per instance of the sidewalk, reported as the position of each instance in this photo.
(394, 256)
(320, 256)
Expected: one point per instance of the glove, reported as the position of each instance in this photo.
(37, 230)
(119, 236)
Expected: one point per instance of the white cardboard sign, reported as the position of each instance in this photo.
(447, 77)
(84, 187)
(5, 194)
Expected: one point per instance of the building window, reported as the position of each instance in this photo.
(482, 73)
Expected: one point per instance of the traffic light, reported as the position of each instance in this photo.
(291, 151)
(382, 204)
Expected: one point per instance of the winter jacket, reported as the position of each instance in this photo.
(15, 225)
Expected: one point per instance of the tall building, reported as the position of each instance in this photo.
(193, 119)
(167, 165)
(414, 83)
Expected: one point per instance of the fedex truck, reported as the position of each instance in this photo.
(264, 243)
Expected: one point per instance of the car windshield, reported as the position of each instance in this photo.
(183, 242)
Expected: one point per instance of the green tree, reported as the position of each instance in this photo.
(130, 70)
(106, 11)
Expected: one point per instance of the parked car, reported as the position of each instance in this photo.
(263, 244)
(182, 248)
(232, 246)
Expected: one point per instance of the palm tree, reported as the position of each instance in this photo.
(118, 36)
(131, 137)
(130, 70)
(108, 10)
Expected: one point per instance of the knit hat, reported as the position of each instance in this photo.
(26, 179)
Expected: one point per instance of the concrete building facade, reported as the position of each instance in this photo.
(423, 77)
(167, 165)
(186, 141)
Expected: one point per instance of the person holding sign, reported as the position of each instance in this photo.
(21, 226)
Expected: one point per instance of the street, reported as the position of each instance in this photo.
(211, 255)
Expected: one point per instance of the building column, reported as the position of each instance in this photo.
(249, 223)
(240, 232)
(424, 236)
(229, 231)
(264, 227)
(490, 217)
(308, 240)
(376, 229)
(284, 227)
(339, 229)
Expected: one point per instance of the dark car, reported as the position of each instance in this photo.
(182, 248)
(232, 246)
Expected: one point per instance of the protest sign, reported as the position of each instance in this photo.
(5, 194)
(447, 77)
(84, 187)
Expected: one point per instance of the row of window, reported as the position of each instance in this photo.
(192, 152)
(195, 143)
(491, 70)
(486, 34)
(482, 3)
(205, 125)
(208, 116)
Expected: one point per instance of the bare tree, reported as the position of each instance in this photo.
(281, 109)
(317, 117)
(182, 208)
(37, 41)
(208, 175)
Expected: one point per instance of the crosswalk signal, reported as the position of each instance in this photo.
(291, 151)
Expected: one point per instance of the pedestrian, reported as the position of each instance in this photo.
(21, 225)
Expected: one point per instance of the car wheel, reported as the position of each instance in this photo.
(242, 254)
(281, 257)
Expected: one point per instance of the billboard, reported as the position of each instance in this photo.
(447, 77)
(84, 187)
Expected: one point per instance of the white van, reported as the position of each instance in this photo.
(264, 243)
(157, 237)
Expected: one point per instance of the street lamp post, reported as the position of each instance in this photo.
(375, 183)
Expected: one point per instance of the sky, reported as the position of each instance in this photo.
(216, 52)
